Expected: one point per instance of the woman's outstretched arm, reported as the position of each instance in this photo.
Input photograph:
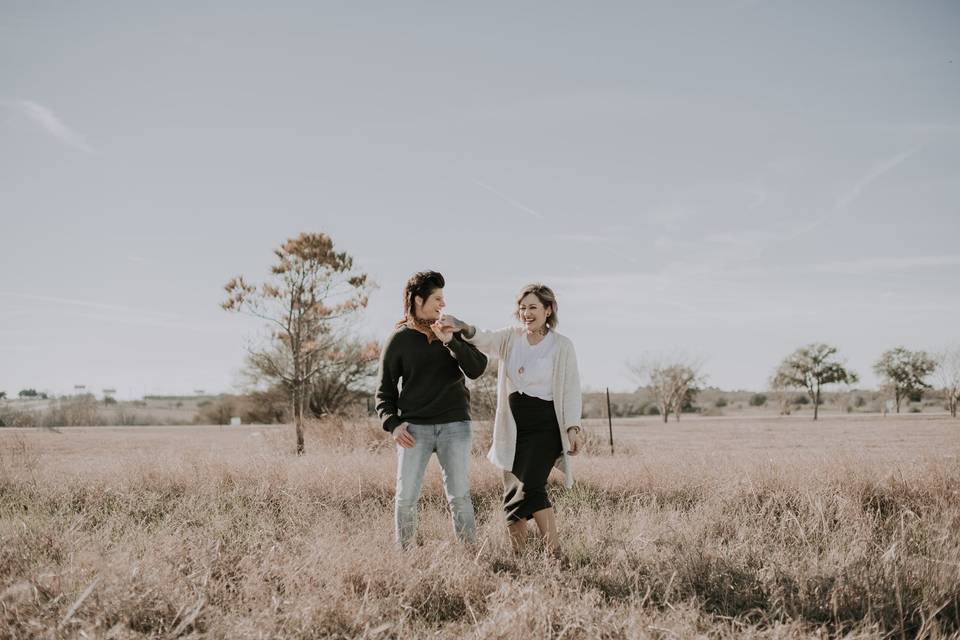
(490, 342)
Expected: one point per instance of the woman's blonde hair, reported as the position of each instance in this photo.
(547, 298)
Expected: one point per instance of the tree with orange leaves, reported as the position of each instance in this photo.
(312, 291)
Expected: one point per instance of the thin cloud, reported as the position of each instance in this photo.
(666, 297)
(72, 302)
(603, 242)
(581, 237)
(874, 265)
(923, 128)
(757, 195)
(842, 204)
(12, 313)
(875, 173)
(46, 119)
(741, 238)
(505, 197)
(672, 218)
(144, 321)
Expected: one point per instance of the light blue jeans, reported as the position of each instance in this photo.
(451, 442)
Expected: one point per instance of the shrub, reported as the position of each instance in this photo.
(74, 411)
(217, 412)
(259, 407)
(801, 399)
(653, 410)
(720, 403)
(14, 418)
(265, 407)
(758, 400)
(860, 401)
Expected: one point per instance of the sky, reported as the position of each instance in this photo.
(724, 181)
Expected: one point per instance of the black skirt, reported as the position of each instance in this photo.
(538, 447)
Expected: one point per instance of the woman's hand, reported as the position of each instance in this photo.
(402, 437)
(573, 435)
(458, 326)
(442, 331)
(453, 323)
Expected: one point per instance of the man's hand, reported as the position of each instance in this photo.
(402, 437)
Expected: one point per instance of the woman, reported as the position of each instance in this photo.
(431, 413)
(537, 424)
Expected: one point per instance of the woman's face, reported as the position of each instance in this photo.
(532, 313)
(431, 308)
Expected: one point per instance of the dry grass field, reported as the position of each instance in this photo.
(711, 527)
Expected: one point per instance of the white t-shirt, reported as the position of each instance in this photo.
(530, 367)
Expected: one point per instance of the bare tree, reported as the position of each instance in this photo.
(673, 380)
(311, 288)
(948, 372)
(904, 371)
(810, 368)
(344, 368)
(349, 366)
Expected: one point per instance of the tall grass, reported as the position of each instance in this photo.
(260, 543)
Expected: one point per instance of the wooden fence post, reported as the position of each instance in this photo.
(609, 420)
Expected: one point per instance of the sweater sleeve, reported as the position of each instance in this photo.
(490, 342)
(471, 361)
(572, 393)
(387, 393)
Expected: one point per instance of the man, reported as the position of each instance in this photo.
(430, 413)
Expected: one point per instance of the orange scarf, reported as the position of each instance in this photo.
(423, 326)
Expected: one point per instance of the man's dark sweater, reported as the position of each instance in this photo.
(434, 390)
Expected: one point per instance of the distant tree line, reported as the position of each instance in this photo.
(675, 381)
(27, 394)
(75, 411)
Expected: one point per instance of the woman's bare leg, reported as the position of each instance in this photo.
(518, 535)
(547, 524)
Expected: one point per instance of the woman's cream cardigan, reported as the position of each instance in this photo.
(567, 400)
